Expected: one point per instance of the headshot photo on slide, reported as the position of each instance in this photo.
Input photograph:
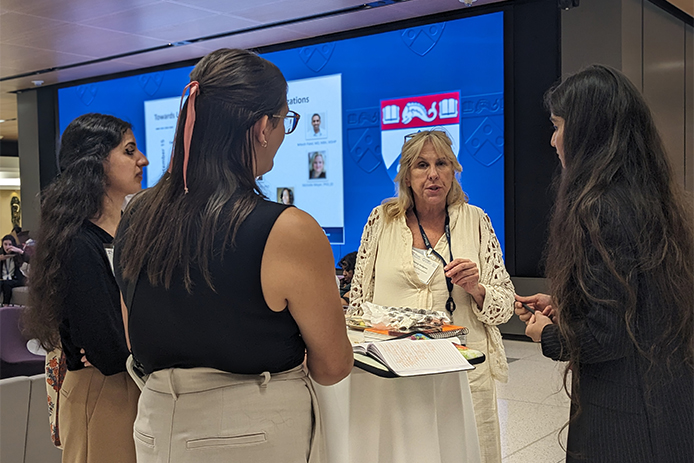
(317, 162)
(316, 127)
(285, 195)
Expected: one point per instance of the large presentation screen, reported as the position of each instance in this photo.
(358, 98)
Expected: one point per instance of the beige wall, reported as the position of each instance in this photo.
(6, 212)
(655, 50)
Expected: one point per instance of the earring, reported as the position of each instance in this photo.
(264, 144)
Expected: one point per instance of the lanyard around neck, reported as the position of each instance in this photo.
(450, 304)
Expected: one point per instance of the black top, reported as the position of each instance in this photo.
(92, 317)
(16, 274)
(231, 329)
(631, 411)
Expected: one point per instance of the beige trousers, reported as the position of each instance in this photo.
(96, 417)
(207, 415)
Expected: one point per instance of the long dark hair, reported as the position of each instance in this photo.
(618, 207)
(170, 229)
(76, 195)
(7, 238)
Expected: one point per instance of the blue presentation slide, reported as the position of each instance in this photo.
(357, 98)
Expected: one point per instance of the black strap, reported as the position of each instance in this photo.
(129, 296)
(450, 303)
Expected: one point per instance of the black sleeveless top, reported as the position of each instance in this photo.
(231, 329)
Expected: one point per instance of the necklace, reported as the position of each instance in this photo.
(450, 303)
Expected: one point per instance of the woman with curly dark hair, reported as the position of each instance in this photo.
(74, 297)
(621, 263)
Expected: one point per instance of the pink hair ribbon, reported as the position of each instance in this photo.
(194, 88)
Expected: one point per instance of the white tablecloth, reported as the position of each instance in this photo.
(369, 419)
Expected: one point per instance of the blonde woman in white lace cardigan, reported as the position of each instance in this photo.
(481, 288)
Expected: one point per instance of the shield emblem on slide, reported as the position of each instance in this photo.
(364, 148)
(87, 93)
(422, 39)
(316, 57)
(364, 137)
(486, 144)
(150, 83)
(404, 116)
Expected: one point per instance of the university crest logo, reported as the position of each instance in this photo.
(404, 116)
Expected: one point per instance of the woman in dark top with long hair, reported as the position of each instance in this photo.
(223, 325)
(74, 297)
(621, 264)
(11, 259)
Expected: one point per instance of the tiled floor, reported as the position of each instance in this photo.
(533, 406)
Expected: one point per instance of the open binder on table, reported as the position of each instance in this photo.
(407, 357)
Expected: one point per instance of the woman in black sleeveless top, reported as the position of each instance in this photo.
(227, 293)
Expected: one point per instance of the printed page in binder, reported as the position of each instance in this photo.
(406, 357)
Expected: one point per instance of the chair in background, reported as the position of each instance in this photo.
(14, 416)
(39, 446)
(25, 435)
(20, 295)
(15, 358)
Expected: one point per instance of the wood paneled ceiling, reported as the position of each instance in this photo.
(90, 38)
(685, 5)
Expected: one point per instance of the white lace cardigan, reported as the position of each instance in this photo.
(498, 301)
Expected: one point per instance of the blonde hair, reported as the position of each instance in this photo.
(439, 140)
(315, 155)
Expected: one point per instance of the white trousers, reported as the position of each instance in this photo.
(207, 415)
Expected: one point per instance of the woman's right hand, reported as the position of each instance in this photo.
(84, 360)
(16, 250)
(536, 323)
(539, 301)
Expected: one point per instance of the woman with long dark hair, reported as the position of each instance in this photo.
(223, 325)
(74, 297)
(621, 264)
(11, 259)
